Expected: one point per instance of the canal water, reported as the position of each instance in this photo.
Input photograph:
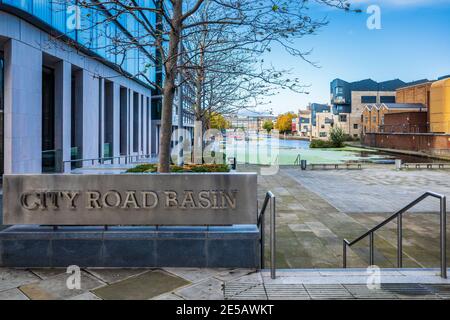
(264, 150)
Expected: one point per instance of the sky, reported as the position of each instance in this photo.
(413, 43)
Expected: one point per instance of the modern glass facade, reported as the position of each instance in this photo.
(98, 37)
(49, 153)
(2, 104)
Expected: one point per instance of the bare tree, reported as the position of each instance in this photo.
(254, 26)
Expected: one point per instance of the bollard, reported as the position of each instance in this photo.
(398, 164)
(303, 164)
(232, 163)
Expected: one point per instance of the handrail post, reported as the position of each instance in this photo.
(399, 241)
(344, 255)
(443, 237)
(371, 255)
(263, 238)
(272, 238)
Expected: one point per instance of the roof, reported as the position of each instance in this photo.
(404, 105)
(397, 106)
(415, 83)
(372, 85)
(254, 114)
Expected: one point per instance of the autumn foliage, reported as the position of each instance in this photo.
(284, 122)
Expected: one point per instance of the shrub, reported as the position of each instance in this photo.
(337, 137)
(348, 137)
(321, 144)
(146, 167)
(152, 168)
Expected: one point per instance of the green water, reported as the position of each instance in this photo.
(268, 150)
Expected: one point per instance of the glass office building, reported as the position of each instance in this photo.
(67, 91)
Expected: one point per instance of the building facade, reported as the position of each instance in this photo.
(324, 123)
(250, 121)
(374, 117)
(304, 123)
(422, 127)
(348, 100)
(64, 96)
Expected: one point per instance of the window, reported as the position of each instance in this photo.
(322, 126)
(1, 113)
(323, 134)
(387, 99)
(355, 126)
(339, 91)
(368, 99)
(342, 118)
(374, 118)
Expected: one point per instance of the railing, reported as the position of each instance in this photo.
(102, 160)
(429, 165)
(270, 198)
(399, 216)
(298, 160)
(336, 166)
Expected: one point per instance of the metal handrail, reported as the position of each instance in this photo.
(399, 216)
(298, 160)
(270, 197)
(101, 160)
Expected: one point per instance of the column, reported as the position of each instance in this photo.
(116, 121)
(23, 108)
(90, 116)
(63, 101)
(139, 122)
(130, 122)
(144, 123)
(101, 115)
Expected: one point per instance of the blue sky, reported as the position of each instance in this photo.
(413, 43)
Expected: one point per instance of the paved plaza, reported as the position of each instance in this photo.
(316, 210)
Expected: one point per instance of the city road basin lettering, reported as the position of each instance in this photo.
(137, 200)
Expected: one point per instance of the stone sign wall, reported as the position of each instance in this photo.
(130, 199)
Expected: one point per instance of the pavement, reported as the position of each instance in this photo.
(222, 284)
(316, 210)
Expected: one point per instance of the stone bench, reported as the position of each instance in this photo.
(347, 166)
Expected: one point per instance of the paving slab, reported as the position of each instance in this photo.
(231, 274)
(195, 274)
(55, 288)
(114, 275)
(12, 294)
(209, 289)
(168, 296)
(48, 273)
(142, 287)
(13, 278)
(85, 296)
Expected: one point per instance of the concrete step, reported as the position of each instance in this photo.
(353, 276)
(340, 284)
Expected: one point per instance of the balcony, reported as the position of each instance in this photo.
(338, 100)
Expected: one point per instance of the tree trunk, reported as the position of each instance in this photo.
(169, 87)
(198, 128)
